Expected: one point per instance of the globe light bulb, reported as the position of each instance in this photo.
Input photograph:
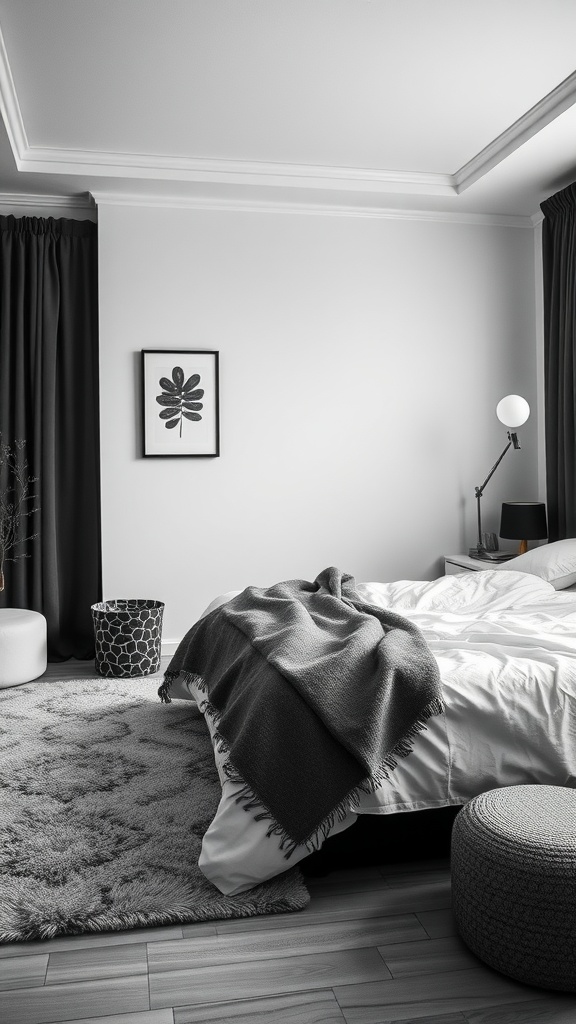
(513, 411)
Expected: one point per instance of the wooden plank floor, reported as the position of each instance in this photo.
(376, 945)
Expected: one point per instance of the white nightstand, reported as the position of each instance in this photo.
(454, 564)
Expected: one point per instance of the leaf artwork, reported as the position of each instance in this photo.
(180, 399)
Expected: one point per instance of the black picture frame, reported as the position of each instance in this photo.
(180, 403)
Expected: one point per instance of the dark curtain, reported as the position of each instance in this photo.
(49, 398)
(559, 267)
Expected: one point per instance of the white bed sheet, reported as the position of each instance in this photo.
(505, 644)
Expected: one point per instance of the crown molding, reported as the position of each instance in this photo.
(10, 107)
(20, 199)
(234, 172)
(541, 114)
(151, 200)
(328, 178)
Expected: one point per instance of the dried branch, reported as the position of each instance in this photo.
(15, 484)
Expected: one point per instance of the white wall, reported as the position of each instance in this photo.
(361, 363)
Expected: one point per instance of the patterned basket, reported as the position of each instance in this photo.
(128, 634)
(513, 863)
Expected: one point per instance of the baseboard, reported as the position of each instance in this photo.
(169, 648)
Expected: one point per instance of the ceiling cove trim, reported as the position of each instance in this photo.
(526, 127)
(234, 172)
(103, 198)
(129, 165)
(10, 107)
(20, 199)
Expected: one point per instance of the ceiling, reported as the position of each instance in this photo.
(457, 107)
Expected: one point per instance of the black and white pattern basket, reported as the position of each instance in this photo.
(513, 863)
(128, 635)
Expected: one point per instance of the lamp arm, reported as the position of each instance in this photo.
(512, 440)
(480, 490)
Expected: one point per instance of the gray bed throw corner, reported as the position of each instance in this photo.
(315, 694)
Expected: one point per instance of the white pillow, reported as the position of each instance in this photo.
(555, 563)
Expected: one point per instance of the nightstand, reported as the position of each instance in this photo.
(454, 564)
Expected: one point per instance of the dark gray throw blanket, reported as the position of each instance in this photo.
(315, 695)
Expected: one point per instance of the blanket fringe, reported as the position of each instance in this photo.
(250, 801)
(403, 748)
(169, 678)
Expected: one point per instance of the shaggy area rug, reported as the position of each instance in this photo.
(105, 796)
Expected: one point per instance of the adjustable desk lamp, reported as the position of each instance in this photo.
(512, 411)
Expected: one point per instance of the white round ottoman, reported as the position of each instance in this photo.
(22, 646)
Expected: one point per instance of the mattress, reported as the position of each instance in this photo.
(505, 644)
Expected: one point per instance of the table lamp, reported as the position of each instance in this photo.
(523, 521)
(512, 411)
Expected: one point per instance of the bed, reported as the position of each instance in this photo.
(504, 643)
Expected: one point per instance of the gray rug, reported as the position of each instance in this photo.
(105, 794)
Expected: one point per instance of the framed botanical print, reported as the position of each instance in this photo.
(180, 403)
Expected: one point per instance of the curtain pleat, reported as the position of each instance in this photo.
(49, 398)
(559, 271)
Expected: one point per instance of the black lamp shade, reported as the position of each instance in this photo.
(523, 520)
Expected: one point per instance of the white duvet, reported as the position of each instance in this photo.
(505, 643)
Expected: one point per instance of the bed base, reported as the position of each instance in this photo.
(385, 839)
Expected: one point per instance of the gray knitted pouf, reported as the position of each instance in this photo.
(513, 863)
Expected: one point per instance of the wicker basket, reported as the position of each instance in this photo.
(128, 636)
